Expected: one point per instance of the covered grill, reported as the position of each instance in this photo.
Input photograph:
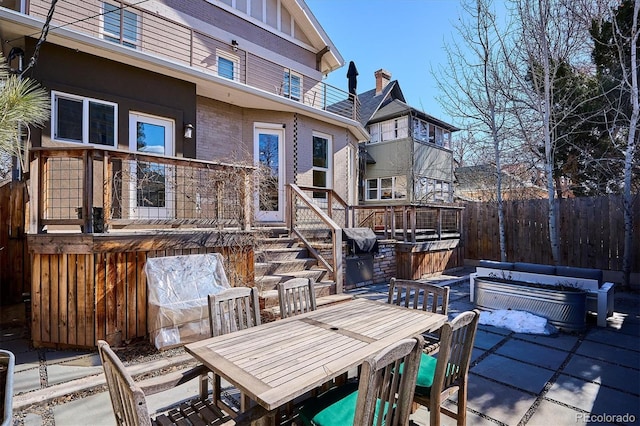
(362, 243)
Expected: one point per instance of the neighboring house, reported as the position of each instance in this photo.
(408, 159)
(200, 79)
(479, 183)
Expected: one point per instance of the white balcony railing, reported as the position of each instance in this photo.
(124, 23)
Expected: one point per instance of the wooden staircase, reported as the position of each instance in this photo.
(280, 258)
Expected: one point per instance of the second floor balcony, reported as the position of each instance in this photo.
(138, 36)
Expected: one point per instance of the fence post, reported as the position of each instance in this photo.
(35, 183)
(337, 260)
(290, 210)
(248, 216)
(107, 182)
(87, 193)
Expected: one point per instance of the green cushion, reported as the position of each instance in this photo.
(337, 406)
(426, 371)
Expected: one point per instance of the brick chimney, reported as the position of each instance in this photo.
(383, 77)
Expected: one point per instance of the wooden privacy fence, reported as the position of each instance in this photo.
(591, 232)
(14, 267)
(89, 287)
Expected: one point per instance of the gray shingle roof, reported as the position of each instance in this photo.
(395, 108)
(390, 103)
(370, 102)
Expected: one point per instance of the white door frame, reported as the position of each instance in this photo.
(276, 215)
(135, 211)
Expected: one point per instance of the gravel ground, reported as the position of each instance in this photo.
(13, 333)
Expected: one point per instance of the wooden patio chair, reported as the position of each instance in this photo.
(234, 309)
(129, 401)
(298, 295)
(383, 394)
(447, 375)
(418, 295)
(231, 310)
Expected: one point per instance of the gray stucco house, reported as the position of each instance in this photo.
(408, 159)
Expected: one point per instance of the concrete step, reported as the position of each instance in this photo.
(270, 282)
(96, 382)
(276, 254)
(275, 231)
(265, 244)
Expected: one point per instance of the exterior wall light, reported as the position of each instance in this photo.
(234, 45)
(188, 131)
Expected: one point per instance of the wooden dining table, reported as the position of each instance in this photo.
(276, 362)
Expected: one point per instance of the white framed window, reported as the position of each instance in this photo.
(152, 191)
(431, 190)
(17, 5)
(447, 139)
(389, 130)
(420, 130)
(427, 132)
(292, 85)
(372, 189)
(439, 137)
(228, 65)
(120, 25)
(374, 131)
(83, 120)
(321, 169)
(387, 188)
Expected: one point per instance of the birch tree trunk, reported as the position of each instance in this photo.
(631, 146)
(474, 89)
(550, 37)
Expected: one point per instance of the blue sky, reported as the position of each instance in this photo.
(405, 37)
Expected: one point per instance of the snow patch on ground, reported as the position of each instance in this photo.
(517, 321)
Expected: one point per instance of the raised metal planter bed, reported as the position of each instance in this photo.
(565, 309)
(7, 364)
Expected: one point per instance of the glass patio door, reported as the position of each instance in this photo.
(269, 156)
(152, 193)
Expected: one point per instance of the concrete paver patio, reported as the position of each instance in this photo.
(515, 379)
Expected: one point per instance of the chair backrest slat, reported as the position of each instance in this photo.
(418, 295)
(128, 400)
(388, 380)
(456, 339)
(298, 295)
(234, 309)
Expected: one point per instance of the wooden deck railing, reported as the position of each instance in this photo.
(92, 190)
(310, 221)
(410, 223)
